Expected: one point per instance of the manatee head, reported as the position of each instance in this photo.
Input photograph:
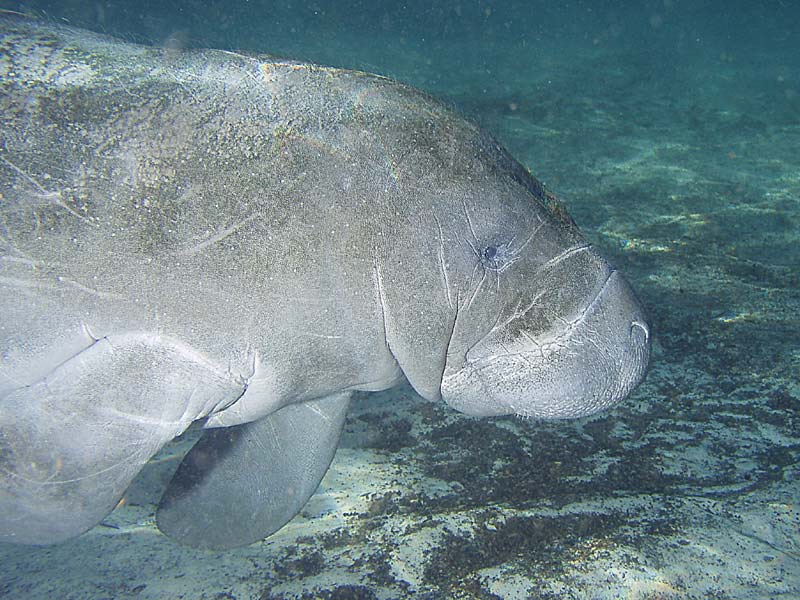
(544, 326)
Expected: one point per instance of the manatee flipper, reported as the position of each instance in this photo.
(71, 442)
(240, 484)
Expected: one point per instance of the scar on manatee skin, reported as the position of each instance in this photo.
(442, 264)
(42, 193)
(218, 237)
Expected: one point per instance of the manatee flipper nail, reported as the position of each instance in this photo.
(238, 485)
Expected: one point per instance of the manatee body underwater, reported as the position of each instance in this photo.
(201, 236)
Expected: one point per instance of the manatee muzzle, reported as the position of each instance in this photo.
(576, 369)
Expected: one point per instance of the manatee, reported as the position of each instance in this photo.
(242, 243)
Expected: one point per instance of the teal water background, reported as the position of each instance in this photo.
(671, 131)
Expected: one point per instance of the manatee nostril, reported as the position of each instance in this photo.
(643, 326)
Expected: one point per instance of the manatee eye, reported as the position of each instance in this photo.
(497, 257)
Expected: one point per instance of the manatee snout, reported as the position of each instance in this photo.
(579, 366)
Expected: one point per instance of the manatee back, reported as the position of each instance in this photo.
(193, 193)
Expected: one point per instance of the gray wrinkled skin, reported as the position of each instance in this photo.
(207, 236)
